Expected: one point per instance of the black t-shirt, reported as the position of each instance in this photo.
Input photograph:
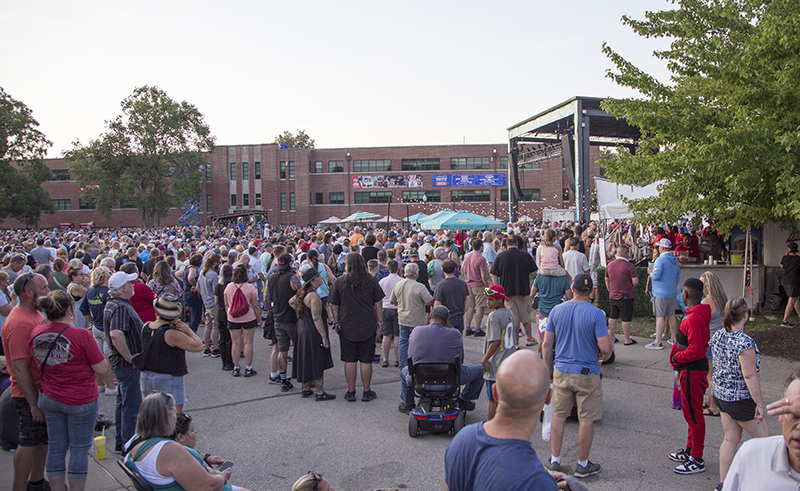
(369, 252)
(513, 267)
(356, 309)
(452, 293)
(791, 268)
(423, 274)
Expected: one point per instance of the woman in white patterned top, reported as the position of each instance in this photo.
(737, 389)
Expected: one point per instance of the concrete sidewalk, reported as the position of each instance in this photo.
(275, 437)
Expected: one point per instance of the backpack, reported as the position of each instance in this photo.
(239, 305)
(430, 268)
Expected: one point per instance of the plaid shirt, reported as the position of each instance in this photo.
(119, 314)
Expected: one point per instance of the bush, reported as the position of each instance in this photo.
(642, 307)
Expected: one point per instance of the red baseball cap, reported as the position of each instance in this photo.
(496, 291)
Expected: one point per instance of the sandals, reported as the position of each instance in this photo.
(396, 364)
(385, 364)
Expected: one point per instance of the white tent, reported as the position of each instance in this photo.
(610, 194)
(330, 221)
(383, 220)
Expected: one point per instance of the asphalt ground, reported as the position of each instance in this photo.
(274, 437)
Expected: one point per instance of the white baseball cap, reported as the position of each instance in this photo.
(665, 243)
(119, 279)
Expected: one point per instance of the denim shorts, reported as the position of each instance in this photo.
(163, 382)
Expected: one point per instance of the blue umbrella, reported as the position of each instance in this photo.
(462, 220)
(436, 215)
(415, 217)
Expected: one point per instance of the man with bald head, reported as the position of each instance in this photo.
(497, 454)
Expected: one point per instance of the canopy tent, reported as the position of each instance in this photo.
(461, 220)
(360, 216)
(524, 218)
(385, 219)
(610, 194)
(330, 221)
(415, 218)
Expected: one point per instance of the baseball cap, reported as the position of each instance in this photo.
(582, 283)
(665, 243)
(496, 291)
(413, 253)
(430, 238)
(284, 261)
(119, 279)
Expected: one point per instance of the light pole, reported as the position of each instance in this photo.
(425, 202)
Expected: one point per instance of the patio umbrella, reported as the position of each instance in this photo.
(384, 220)
(436, 215)
(330, 221)
(415, 217)
(360, 216)
(462, 220)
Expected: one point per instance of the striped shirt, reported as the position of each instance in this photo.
(119, 314)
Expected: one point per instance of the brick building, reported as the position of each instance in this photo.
(303, 186)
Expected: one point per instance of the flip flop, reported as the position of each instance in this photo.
(709, 412)
(633, 341)
(385, 364)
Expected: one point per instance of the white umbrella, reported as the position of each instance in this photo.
(330, 221)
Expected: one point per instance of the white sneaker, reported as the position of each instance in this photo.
(654, 345)
(111, 392)
(101, 388)
(653, 336)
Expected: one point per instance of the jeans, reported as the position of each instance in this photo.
(471, 379)
(402, 346)
(129, 398)
(224, 338)
(69, 428)
(164, 382)
(195, 306)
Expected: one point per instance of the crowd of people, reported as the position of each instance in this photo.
(122, 307)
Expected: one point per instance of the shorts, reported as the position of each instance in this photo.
(235, 326)
(353, 351)
(478, 295)
(791, 288)
(31, 433)
(665, 307)
(211, 318)
(489, 385)
(558, 271)
(622, 308)
(586, 390)
(520, 305)
(744, 410)
(284, 333)
(102, 341)
(389, 324)
(541, 324)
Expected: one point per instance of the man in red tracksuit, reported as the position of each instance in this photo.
(688, 357)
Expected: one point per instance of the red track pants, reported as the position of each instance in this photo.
(693, 388)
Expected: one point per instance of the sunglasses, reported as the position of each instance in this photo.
(30, 275)
(491, 292)
(317, 479)
(184, 419)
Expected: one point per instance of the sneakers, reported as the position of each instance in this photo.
(663, 336)
(368, 396)
(405, 408)
(553, 466)
(691, 466)
(469, 332)
(479, 333)
(42, 485)
(206, 353)
(118, 449)
(350, 396)
(110, 392)
(530, 342)
(654, 345)
(307, 393)
(466, 405)
(787, 324)
(589, 469)
(274, 380)
(249, 372)
(286, 385)
(101, 388)
(214, 353)
(325, 397)
(227, 367)
(236, 371)
(681, 455)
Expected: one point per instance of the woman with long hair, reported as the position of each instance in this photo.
(242, 327)
(312, 354)
(225, 277)
(713, 296)
(737, 388)
(77, 288)
(68, 359)
(790, 264)
(191, 291)
(163, 282)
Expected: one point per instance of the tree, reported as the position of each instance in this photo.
(298, 140)
(152, 156)
(22, 151)
(724, 133)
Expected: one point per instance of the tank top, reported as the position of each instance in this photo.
(548, 257)
(716, 323)
(161, 357)
(323, 288)
(147, 466)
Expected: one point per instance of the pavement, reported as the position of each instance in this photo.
(274, 437)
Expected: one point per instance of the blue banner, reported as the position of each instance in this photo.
(468, 180)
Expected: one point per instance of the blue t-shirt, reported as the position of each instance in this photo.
(551, 289)
(577, 325)
(477, 461)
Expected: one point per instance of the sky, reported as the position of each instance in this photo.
(349, 73)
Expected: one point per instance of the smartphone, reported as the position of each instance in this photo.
(225, 465)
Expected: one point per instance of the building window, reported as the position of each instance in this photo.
(470, 163)
(503, 163)
(457, 195)
(527, 195)
(207, 168)
(208, 203)
(291, 170)
(124, 204)
(317, 167)
(60, 175)
(372, 197)
(291, 202)
(372, 165)
(62, 204)
(257, 170)
(319, 199)
(420, 164)
(433, 196)
(233, 200)
(245, 171)
(282, 170)
(233, 171)
(336, 198)
(86, 204)
(565, 195)
(283, 201)
(258, 199)
(336, 166)
(245, 199)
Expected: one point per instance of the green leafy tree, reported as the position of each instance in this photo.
(297, 140)
(723, 133)
(152, 156)
(22, 151)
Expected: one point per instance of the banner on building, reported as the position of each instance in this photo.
(386, 182)
(468, 180)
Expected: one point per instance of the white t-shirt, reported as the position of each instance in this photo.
(575, 263)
